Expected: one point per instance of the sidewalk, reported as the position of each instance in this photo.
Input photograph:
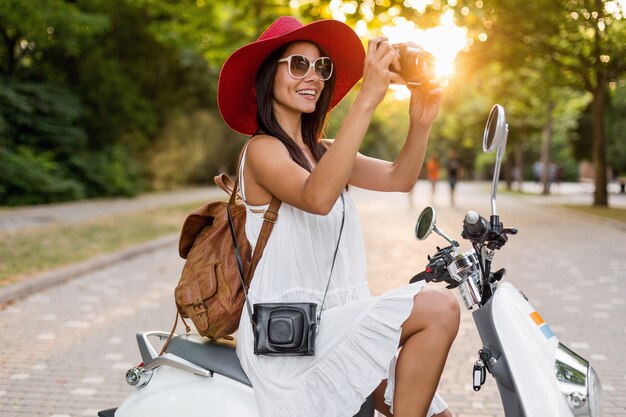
(571, 193)
(13, 219)
(69, 346)
(82, 211)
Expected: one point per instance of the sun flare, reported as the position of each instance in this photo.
(444, 41)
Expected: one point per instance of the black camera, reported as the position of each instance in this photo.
(417, 67)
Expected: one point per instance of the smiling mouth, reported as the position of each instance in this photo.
(307, 93)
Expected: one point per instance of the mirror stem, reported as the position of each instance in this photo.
(443, 235)
(496, 172)
(494, 186)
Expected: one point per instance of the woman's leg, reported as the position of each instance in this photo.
(384, 409)
(426, 338)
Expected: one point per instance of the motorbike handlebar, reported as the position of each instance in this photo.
(475, 227)
(422, 276)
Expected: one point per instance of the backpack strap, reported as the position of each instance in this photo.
(269, 218)
(224, 182)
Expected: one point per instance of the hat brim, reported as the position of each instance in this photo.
(236, 93)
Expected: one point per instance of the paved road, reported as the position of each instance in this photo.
(80, 211)
(64, 351)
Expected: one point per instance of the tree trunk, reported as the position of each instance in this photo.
(508, 173)
(598, 152)
(545, 149)
(600, 195)
(519, 166)
(10, 43)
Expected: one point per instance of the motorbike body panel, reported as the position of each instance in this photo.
(172, 392)
(513, 327)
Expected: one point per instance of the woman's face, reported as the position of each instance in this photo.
(292, 95)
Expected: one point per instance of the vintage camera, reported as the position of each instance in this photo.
(417, 67)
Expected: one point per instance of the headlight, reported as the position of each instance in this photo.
(578, 382)
(595, 392)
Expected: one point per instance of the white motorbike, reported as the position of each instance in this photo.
(536, 375)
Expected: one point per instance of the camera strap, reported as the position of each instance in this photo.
(259, 250)
(343, 218)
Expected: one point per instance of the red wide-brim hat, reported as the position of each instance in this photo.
(236, 91)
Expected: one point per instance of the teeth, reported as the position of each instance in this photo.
(306, 92)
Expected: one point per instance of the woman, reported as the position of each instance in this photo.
(453, 166)
(279, 90)
(432, 168)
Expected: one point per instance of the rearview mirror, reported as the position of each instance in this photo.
(496, 130)
(425, 223)
(494, 139)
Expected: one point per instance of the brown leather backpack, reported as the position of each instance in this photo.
(210, 292)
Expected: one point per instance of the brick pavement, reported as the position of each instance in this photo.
(65, 350)
(572, 268)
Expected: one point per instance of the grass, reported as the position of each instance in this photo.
(618, 214)
(31, 251)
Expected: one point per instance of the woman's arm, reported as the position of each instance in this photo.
(401, 174)
(270, 171)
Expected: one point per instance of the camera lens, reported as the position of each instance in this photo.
(427, 65)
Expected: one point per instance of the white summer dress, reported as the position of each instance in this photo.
(358, 337)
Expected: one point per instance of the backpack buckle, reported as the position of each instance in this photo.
(270, 216)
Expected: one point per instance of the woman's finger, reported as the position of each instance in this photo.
(395, 64)
(389, 58)
(395, 78)
(374, 44)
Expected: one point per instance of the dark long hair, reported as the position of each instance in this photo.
(312, 123)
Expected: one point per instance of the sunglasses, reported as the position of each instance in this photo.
(299, 66)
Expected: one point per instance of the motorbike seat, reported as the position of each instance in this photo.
(215, 355)
(219, 356)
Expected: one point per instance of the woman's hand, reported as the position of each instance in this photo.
(425, 103)
(376, 73)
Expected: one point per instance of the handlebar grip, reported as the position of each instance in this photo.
(475, 227)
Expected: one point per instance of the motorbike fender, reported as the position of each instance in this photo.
(172, 392)
(530, 348)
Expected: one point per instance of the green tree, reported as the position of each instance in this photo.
(582, 140)
(29, 28)
(583, 38)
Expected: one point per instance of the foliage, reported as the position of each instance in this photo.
(191, 148)
(88, 87)
(31, 29)
(109, 97)
(45, 152)
(573, 43)
(42, 116)
(27, 177)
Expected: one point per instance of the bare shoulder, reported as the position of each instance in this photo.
(265, 151)
(262, 146)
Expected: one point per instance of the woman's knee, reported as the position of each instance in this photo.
(439, 308)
